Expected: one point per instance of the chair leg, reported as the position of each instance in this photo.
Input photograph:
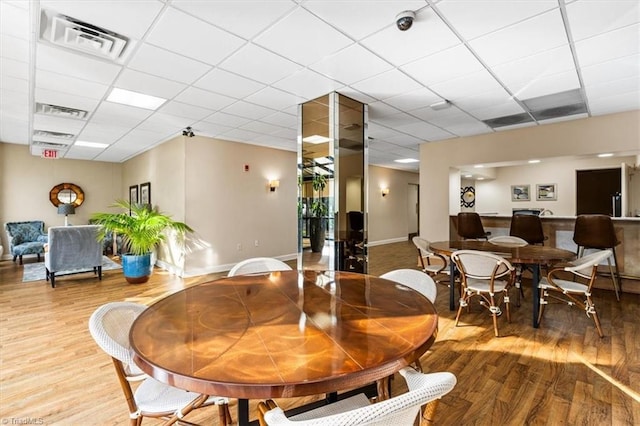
(429, 413)
(614, 276)
(591, 310)
(21, 259)
(462, 304)
(543, 302)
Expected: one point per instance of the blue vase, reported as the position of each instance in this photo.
(136, 268)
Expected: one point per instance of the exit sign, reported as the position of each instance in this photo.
(49, 153)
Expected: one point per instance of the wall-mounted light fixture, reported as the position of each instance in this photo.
(385, 192)
(273, 184)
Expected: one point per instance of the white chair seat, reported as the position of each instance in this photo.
(342, 406)
(483, 285)
(569, 286)
(153, 396)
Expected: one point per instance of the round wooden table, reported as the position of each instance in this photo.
(283, 334)
(527, 255)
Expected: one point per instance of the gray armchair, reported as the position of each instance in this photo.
(71, 250)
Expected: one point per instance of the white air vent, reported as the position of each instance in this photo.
(49, 145)
(60, 111)
(53, 137)
(81, 36)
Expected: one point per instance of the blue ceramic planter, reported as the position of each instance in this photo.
(136, 268)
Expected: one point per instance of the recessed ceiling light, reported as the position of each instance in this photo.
(468, 176)
(91, 144)
(478, 166)
(135, 99)
(407, 160)
(534, 161)
(316, 139)
(608, 154)
(480, 178)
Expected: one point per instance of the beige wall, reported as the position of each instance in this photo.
(388, 215)
(25, 182)
(590, 136)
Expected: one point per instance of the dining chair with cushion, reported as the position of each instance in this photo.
(470, 226)
(357, 410)
(425, 256)
(571, 291)
(109, 326)
(418, 281)
(258, 264)
(528, 227)
(595, 231)
(487, 276)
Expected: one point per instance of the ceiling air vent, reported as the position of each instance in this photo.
(508, 120)
(81, 36)
(60, 111)
(556, 105)
(53, 137)
(561, 111)
(49, 145)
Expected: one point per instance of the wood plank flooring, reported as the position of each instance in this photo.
(52, 372)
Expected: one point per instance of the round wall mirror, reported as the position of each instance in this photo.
(66, 193)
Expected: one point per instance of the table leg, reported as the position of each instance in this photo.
(243, 412)
(535, 291)
(452, 286)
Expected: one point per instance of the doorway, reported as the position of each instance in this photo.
(413, 210)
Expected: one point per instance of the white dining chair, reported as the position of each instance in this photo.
(357, 410)
(258, 264)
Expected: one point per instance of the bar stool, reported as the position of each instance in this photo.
(470, 226)
(528, 227)
(595, 231)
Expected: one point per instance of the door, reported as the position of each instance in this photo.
(413, 210)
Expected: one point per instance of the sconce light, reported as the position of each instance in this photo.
(385, 192)
(273, 184)
(66, 210)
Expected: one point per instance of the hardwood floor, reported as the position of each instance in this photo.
(53, 373)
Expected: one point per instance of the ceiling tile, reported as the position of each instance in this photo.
(19, 85)
(179, 109)
(307, 85)
(13, 68)
(259, 64)
(452, 63)
(263, 128)
(608, 46)
(282, 119)
(319, 38)
(148, 84)
(546, 85)
(387, 84)
(613, 88)
(413, 99)
(102, 133)
(424, 131)
(351, 65)
(203, 41)
(70, 85)
(124, 115)
(272, 98)
(57, 124)
(76, 65)
(165, 124)
(628, 66)
(14, 48)
(498, 110)
(204, 98)
(593, 17)
(616, 103)
(535, 35)
(228, 120)
(14, 21)
(476, 18)
(65, 99)
(226, 83)
(153, 60)
(210, 129)
(477, 82)
(248, 110)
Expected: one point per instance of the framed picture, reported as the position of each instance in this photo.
(546, 192)
(520, 193)
(145, 193)
(133, 194)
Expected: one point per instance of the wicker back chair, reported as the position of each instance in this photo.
(571, 292)
(487, 276)
(258, 264)
(109, 326)
(425, 256)
(357, 410)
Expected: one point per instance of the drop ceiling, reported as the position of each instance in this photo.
(236, 70)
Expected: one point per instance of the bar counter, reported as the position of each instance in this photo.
(559, 233)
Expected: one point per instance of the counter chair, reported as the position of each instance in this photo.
(470, 227)
(595, 231)
(425, 256)
(418, 281)
(109, 326)
(487, 276)
(528, 227)
(571, 292)
(357, 410)
(258, 264)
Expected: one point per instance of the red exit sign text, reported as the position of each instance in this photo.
(49, 153)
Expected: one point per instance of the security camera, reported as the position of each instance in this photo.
(188, 132)
(404, 20)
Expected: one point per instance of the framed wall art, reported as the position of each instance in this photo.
(133, 194)
(520, 193)
(145, 193)
(546, 192)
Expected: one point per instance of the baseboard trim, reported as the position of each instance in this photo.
(226, 267)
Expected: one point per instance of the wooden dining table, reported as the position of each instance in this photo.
(283, 334)
(533, 255)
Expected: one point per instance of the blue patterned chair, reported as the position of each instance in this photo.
(26, 238)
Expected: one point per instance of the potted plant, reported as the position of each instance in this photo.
(142, 229)
(317, 223)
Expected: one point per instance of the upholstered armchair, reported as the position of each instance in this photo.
(71, 250)
(26, 238)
